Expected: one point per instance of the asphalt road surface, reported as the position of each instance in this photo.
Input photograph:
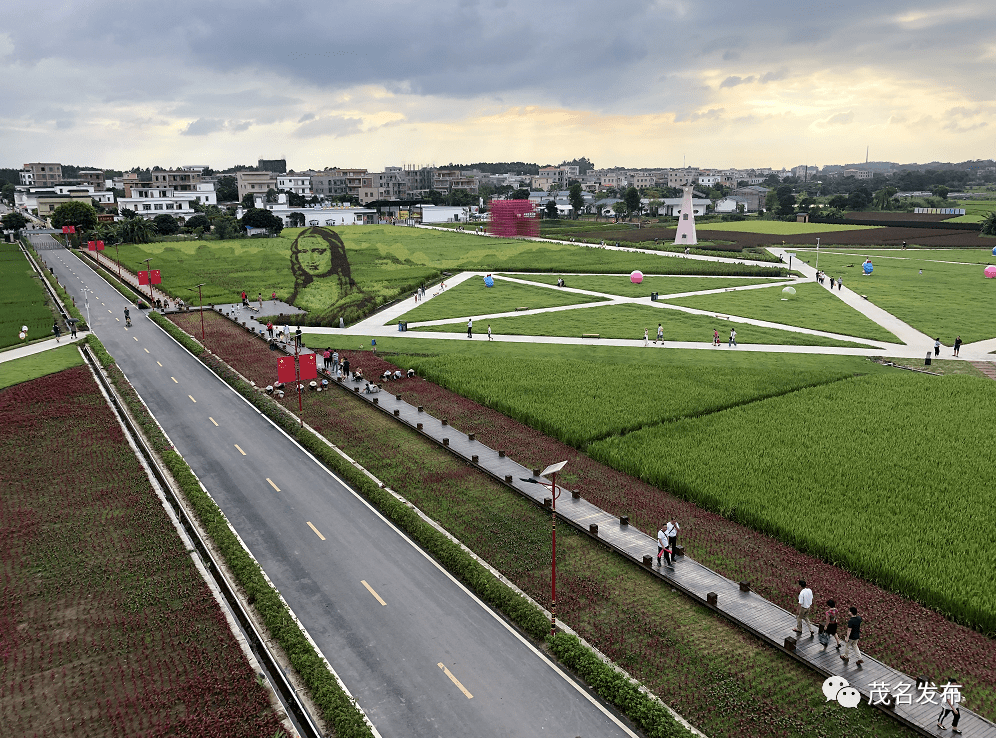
(421, 655)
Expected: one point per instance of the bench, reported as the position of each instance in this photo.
(591, 335)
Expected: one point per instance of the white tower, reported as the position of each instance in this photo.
(685, 235)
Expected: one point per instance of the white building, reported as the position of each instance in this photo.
(299, 184)
(731, 205)
(27, 197)
(315, 215)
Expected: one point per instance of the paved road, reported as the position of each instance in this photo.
(390, 655)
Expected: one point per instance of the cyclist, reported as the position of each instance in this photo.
(127, 317)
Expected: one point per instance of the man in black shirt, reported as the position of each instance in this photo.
(853, 634)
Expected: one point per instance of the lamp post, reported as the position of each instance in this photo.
(86, 303)
(200, 300)
(554, 494)
(817, 254)
(117, 249)
(148, 269)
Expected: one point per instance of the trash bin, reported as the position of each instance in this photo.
(926, 362)
(653, 297)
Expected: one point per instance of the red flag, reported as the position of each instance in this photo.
(65, 229)
(309, 366)
(285, 369)
(100, 245)
(72, 229)
(91, 245)
(143, 277)
(157, 278)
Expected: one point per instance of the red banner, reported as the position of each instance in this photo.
(143, 277)
(285, 369)
(100, 245)
(91, 245)
(157, 278)
(309, 366)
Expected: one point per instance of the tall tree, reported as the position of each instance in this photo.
(165, 224)
(135, 230)
(8, 193)
(632, 198)
(576, 198)
(76, 213)
(14, 221)
(551, 209)
(227, 189)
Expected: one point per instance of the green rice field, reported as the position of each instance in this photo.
(620, 284)
(779, 227)
(630, 321)
(22, 299)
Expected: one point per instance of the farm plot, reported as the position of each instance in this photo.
(780, 228)
(374, 265)
(812, 307)
(22, 299)
(472, 297)
(106, 628)
(39, 365)
(620, 284)
(946, 300)
(726, 683)
(886, 475)
(630, 321)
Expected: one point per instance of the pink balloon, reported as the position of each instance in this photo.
(990, 272)
(636, 277)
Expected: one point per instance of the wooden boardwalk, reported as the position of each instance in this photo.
(747, 609)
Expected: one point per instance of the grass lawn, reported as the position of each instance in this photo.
(23, 300)
(39, 365)
(975, 210)
(812, 307)
(778, 227)
(888, 475)
(629, 321)
(981, 256)
(383, 261)
(946, 300)
(473, 298)
(619, 284)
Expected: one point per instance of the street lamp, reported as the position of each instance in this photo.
(148, 269)
(817, 254)
(554, 494)
(200, 299)
(86, 303)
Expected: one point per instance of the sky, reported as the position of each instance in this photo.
(379, 83)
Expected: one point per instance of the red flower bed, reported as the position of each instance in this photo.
(106, 627)
(900, 632)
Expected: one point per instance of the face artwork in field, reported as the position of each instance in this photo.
(315, 256)
(318, 254)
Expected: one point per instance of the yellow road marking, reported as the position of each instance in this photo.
(174, 380)
(272, 484)
(146, 351)
(135, 337)
(455, 681)
(240, 450)
(317, 532)
(370, 589)
(118, 319)
(110, 311)
(159, 363)
(213, 420)
(191, 398)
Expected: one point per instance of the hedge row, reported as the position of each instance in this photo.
(615, 688)
(338, 709)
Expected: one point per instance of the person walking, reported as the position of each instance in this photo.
(489, 332)
(672, 536)
(802, 614)
(335, 363)
(259, 298)
(715, 337)
(851, 639)
(287, 337)
(950, 700)
(72, 329)
(327, 356)
(937, 346)
(840, 284)
(830, 625)
(470, 327)
(269, 328)
(733, 337)
(345, 369)
(957, 345)
(662, 547)
(245, 298)
(660, 333)
(646, 337)
(57, 331)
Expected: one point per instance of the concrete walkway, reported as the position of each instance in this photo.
(41, 346)
(747, 609)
